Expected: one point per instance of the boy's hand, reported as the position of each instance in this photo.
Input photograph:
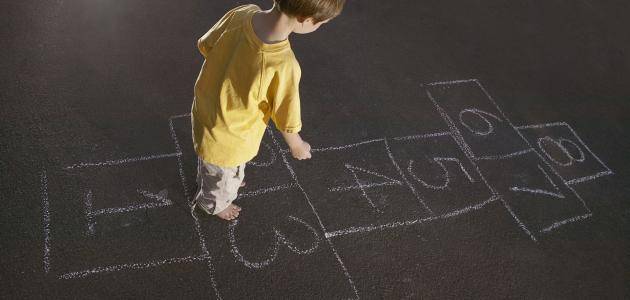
(301, 151)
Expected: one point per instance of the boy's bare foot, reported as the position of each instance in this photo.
(230, 212)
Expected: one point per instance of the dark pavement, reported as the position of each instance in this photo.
(462, 149)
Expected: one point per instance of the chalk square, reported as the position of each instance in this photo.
(565, 151)
(126, 213)
(536, 195)
(265, 171)
(484, 129)
(275, 248)
(440, 172)
(357, 185)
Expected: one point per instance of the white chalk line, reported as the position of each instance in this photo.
(505, 156)
(88, 213)
(180, 164)
(529, 144)
(319, 220)
(566, 221)
(45, 220)
(364, 229)
(179, 116)
(266, 190)
(342, 147)
(588, 178)
(399, 138)
(451, 82)
(197, 226)
(356, 187)
(541, 125)
(557, 193)
(459, 139)
(123, 161)
(421, 136)
(134, 266)
(116, 210)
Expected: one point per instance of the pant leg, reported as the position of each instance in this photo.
(212, 184)
(234, 180)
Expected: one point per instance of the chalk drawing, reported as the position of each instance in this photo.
(556, 194)
(446, 175)
(479, 113)
(560, 144)
(279, 238)
(45, 221)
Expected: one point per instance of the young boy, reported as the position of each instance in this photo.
(249, 75)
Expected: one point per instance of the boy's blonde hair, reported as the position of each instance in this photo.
(319, 10)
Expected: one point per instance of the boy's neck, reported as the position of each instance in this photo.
(272, 26)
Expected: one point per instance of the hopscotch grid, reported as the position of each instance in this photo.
(459, 139)
(535, 151)
(319, 220)
(208, 258)
(364, 229)
(197, 226)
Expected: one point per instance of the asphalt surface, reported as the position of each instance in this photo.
(462, 149)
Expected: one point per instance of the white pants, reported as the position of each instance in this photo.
(218, 186)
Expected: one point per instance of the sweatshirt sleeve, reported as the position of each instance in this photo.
(284, 97)
(206, 42)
